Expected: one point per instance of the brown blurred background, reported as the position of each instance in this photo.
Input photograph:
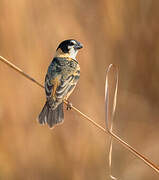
(123, 32)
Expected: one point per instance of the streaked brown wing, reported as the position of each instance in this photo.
(65, 87)
(51, 86)
(61, 89)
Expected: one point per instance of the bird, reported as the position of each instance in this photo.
(61, 78)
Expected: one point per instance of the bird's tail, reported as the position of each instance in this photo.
(50, 116)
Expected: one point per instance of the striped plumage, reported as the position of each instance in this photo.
(61, 79)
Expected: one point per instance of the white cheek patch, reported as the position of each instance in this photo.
(69, 47)
(72, 52)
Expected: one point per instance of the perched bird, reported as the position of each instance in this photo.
(61, 79)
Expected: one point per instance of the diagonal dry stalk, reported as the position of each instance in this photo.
(109, 117)
(111, 134)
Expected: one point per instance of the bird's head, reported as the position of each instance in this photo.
(68, 48)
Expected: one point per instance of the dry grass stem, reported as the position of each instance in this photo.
(109, 116)
(107, 131)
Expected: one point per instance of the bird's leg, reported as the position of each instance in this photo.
(69, 105)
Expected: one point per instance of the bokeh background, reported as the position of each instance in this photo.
(123, 32)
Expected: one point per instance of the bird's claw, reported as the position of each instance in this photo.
(69, 106)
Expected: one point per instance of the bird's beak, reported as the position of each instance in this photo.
(78, 46)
